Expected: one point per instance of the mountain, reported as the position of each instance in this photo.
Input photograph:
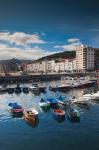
(65, 54)
(15, 61)
(13, 64)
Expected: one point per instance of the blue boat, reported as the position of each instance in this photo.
(52, 100)
(16, 109)
(63, 100)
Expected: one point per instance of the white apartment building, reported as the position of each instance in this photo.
(29, 68)
(84, 61)
(37, 66)
(52, 66)
(84, 58)
(44, 66)
(48, 66)
(65, 65)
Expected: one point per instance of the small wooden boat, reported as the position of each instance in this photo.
(73, 114)
(59, 113)
(16, 110)
(31, 115)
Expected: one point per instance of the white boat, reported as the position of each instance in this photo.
(36, 87)
(96, 95)
(92, 96)
(44, 104)
(88, 96)
(80, 101)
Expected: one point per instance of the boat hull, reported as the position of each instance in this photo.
(58, 113)
(32, 120)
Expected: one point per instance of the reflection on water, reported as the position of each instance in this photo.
(58, 119)
(45, 109)
(33, 123)
(55, 133)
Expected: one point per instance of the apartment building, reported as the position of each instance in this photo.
(84, 61)
(84, 58)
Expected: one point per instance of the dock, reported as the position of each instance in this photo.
(26, 78)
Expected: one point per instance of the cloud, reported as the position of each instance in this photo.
(7, 52)
(18, 45)
(73, 43)
(21, 38)
(73, 40)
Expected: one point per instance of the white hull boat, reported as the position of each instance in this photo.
(94, 96)
(44, 104)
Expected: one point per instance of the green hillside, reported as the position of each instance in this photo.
(65, 54)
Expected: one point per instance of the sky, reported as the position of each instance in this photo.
(30, 29)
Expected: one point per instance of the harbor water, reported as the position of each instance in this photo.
(49, 134)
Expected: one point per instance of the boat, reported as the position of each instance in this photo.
(42, 89)
(52, 101)
(53, 88)
(10, 90)
(64, 100)
(80, 100)
(88, 96)
(25, 90)
(96, 96)
(44, 104)
(16, 110)
(81, 82)
(73, 114)
(18, 89)
(62, 87)
(36, 87)
(59, 113)
(3, 90)
(92, 96)
(31, 115)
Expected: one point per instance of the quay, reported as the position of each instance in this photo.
(26, 78)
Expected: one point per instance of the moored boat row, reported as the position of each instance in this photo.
(25, 89)
(73, 83)
(31, 114)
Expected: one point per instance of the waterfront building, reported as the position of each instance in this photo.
(63, 65)
(84, 61)
(84, 58)
(37, 67)
(29, 68)
(1, 68)
(48, 66)
(66, 65)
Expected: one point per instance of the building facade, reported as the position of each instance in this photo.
(84, 58)
(66, 65)
(84, 61)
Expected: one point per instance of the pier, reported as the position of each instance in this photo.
(25, 78)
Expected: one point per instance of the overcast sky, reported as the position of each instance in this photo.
(33, 28)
